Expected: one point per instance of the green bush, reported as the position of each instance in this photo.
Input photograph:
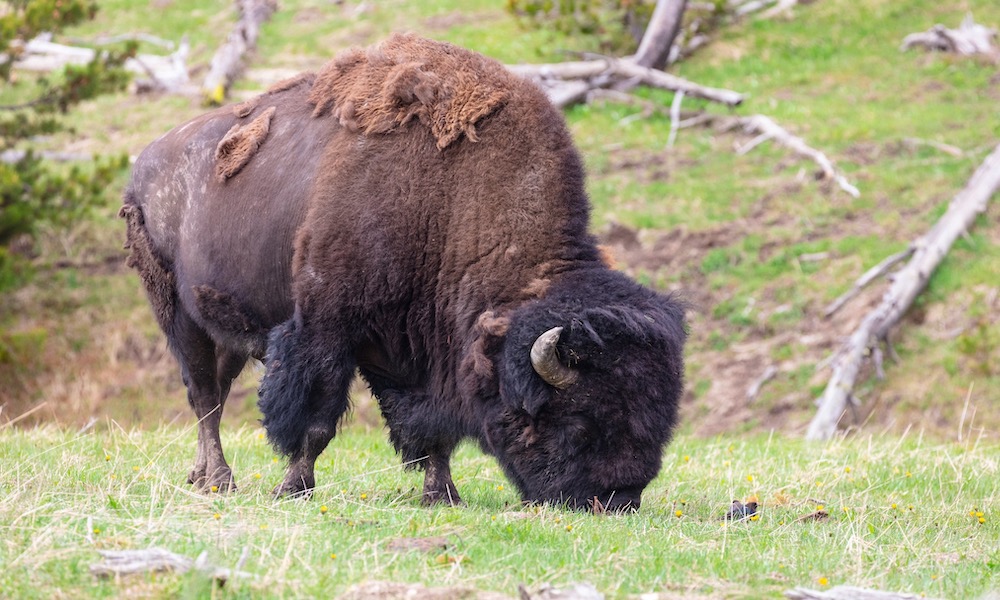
(33, 191)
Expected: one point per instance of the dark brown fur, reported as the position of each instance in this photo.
(156, 277)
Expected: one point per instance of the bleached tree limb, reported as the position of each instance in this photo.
(754, 390)
(766, 128)
(9, 157)
(658, 39)
(970, 38)
(227, 63)
(164, 73)
(106, 40)
(870, 275)
(846, 592)
(929, 250)
(610, 71)
(675, 118)
(782, 6)
(116, 563)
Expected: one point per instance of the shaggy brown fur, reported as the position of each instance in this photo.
(379, 89)
(240, 143)
(158, 279)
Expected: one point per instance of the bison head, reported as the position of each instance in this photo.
(590, 381)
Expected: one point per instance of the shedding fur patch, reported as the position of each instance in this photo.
(243, 109)
(381, 88)
(240, 143)
(156, 277)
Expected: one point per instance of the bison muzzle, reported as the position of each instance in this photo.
(416, 213)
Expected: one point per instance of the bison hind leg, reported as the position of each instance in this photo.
(208, 372)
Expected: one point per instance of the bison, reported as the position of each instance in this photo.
(416, 213)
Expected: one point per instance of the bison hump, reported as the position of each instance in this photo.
(379, 89)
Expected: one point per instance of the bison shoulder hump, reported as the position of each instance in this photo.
(379, 89)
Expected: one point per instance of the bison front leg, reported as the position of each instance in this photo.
(417, 430)
(302, 398)
(438, 486)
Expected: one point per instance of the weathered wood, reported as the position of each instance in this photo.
(754, 390)
(970, 38)
(658, 39)
(227, 63)
(846, 592)
(116, 563)
(767, 129)
(9, 157)
(616, 70)
(870, 275)
(928, 251)
(161, 73)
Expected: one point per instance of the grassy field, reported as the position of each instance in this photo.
(730, 232)
(905, 514)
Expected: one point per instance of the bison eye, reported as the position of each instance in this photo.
(581, 432)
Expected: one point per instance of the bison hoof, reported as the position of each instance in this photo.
(220, 480)
(296, 487)
(446, 498)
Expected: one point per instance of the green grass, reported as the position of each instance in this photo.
(899, 519)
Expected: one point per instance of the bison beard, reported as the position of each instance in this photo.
(441, 230)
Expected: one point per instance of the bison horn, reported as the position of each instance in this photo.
(546, 363)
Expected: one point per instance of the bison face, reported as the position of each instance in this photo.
(589, 403)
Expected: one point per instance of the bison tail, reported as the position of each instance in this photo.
(155, 273)
(286, 388)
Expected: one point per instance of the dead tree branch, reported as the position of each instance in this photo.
(970, 38)
(227, 63)
(128, 562)
(846, 592)
(870, 275)
(767, 129)
(604, 72)
(928, 251)
(159, 73)
(658, 39)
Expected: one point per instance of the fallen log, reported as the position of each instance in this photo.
(117, 563)
(227, 63)
(928, 251)
(970, 38)
(847, 592)
(159, 73)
